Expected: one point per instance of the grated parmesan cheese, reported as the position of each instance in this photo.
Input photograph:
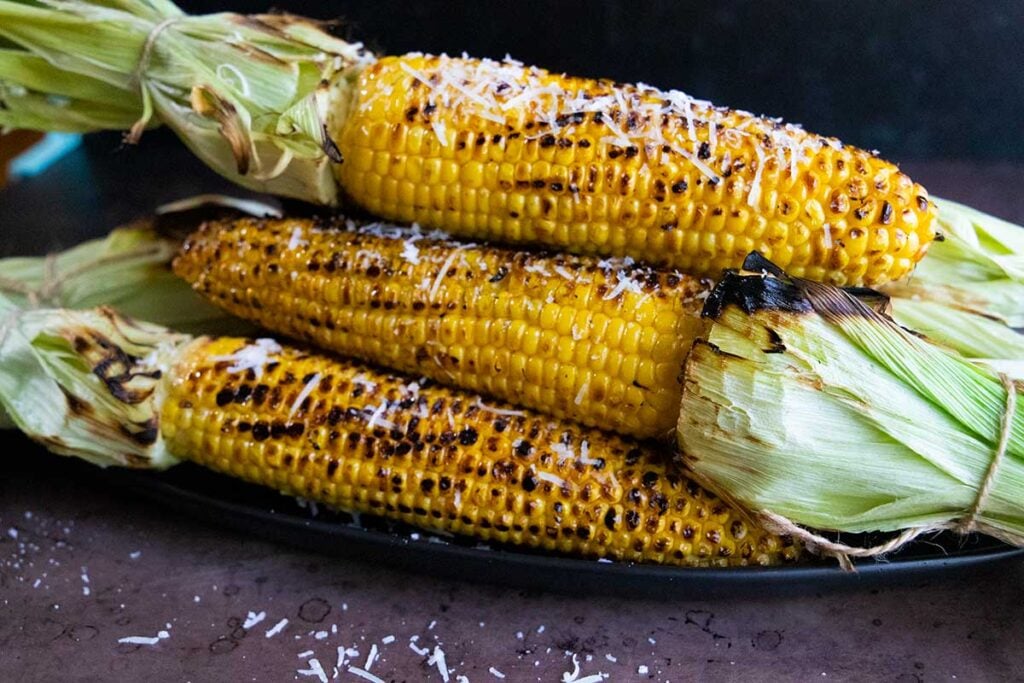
(145, 640)
(422, 651)
(498, 411)
(252, 619)
(564, 272)
(371, 658)
(255, 357)
(304, 394)
(296, 240)
(314, 670)
(277, 628)
(365, 675)
(551, 478)
(494, 672)
(448, 263)
(437, 659)
(582, 393)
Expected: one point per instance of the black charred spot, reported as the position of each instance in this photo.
(225, 396)
(261, 431)
(886, 216)
(610, 518)
(650, 479)
(680, 187)
(427, 485)
(704, 151)
(632, 518)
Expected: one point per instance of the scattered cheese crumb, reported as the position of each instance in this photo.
(255, 356)
(642, 670)
(277, 628)
(315, 669)
(145, 640)
(135, 555)
(437, 659)
(371, 658)
(252, 619)
(494, 672)
(296, 240)
(558, 481)
(304, 394)
(365, 675)
(387, 640)
(418, 650)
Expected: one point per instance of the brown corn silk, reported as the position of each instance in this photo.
(504, 152)
(338, 433)
(599, 342)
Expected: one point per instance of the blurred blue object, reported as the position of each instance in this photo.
(44, 154)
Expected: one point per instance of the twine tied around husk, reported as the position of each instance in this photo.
(135, 133)
(967, 523)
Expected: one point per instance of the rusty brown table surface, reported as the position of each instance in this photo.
(83, 566)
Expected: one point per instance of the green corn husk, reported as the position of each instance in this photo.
(978, 269)
(249, 95)
(128, 269)
(51, 393)
(805, 402)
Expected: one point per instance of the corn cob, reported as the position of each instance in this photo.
(503, 152)
(480, 148)
(345, 435)
(598, 342)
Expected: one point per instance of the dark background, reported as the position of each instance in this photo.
(914, 79)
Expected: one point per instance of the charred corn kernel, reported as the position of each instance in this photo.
(341, 434)
(594, 167)
(599, 342)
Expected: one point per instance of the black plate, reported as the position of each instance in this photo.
(259, 511)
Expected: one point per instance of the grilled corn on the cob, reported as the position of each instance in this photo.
(343, 434)
(483, 149)
(517, 154)
(599, 342)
